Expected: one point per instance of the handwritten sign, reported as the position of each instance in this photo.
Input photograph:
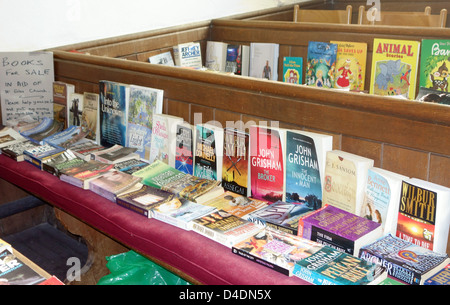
(26, 80)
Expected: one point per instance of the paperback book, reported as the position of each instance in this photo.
(184, 148)
(339, 229)
(65, 160)
(83, 148)
(112, 183)
(442, 277)
(46, 128)
(350, 71)
(282, 216)
(321, 64)
(158, 174)
(14, 271)
(216, 55)
(75, 109)
(164, 58)
(235, 164)
(208, 152)
(224, 228)
(114, 99)
(188, 55)
(130, 166)
(144, 102)
(81, 175)
(15, 151)
(394, 68)
(90, 119)
(115, 154)
(424, 214)
(264, 60)
(345, 180)
(293, 70)
(404, 260)
(328, 266)
(266, 163)
(9, 136)
(238, 59)
(275, 249)
(430, 95)
(163, 138)
(39, 154)
(66, 138)
(61, 95)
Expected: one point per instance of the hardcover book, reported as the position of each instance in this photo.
(293, 70)
(184, 148)
(39, 154)
(163, 141)
(404, 260)
(81, 175)
(114, 99)
(350, 71)
(424, 214)
(394, 68)
(112, 183)
(90, 119)
(328, 266)
(266, 163)
(208, 152)
(235, 164)
(158, 174)
(144, 102)
(275, 249)
(339, 229)
(75, 109)
(321, 64)
(115, 154)
(15, 151)
(61, 94)
(65, 160)
(282, 216)
(345, 180)
(264, 60)
(382, 198)
(435, 64)
(142, 198)
(224, 228)
(305, 166)
(188, 55)
(236, 204)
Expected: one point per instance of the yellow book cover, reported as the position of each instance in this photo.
(394, 67)
(351, 61)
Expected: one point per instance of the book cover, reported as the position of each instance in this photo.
(65, 160)
(61, 94)
(350, 69)
(345, 180)
(188, 55)
(224, 228)
(75, 109)
(179, 212)
(266, 163)
(114, 98)
(142, 200)
(162, 59)
(275, 249)
(424, 214)
(144, 102)
(434, 64)
(38, 154)
(114, 154)
(442, 277)
(46, 128)
(394, 68)
(158, 174)
(293, 70)
(282, 216)
(236, 204)
(65, 138)
(184, 148)
(90, 119)
(404, 260)
(382, 198)
(320, 64)
(235, 161)
(15, 151)
(339, 229)
(163, 138)
(208, 152)
(237, 59)
(328, 266)
(305, 166)
(130, 166)
(41, 126)
(81, 175)
(264, 60)
(84, 148)
(10, 136)
(14, 271)
(216, 55)
(112, 183)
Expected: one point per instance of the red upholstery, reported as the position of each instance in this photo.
(196, 256)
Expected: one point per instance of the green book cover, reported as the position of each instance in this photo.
(158, 174)
(435, 64)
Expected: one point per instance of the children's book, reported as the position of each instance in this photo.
(61, 95)
(293, 70)
(435, 64)
(394, 68)
(266, 163)
(264, 60)
(144, 102)
(403, 260)
(235, 164)
(163, 138)
(424, 214)
(114, 99)
(90, 119)
(321, 64)
(275, 249)
(350, 69)
(208, 152)
(184, 148)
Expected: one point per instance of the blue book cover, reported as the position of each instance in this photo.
(184, 158)
(321, 64)
(113, 113)
(66, 137)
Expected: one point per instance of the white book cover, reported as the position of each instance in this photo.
(164, 130)
(216, 55)
(164, 59)
(264, 60)
(188, 55)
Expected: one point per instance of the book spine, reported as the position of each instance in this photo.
(104, 193)
(260, 261)
(169, 220)
(10, 154)
(32, 160)
(211, 234)
(313, 277)
(71, 180)
(132, 207)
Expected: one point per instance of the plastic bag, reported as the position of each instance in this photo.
(131, 268)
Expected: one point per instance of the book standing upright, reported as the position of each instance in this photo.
(208, 152)
(321, 64)
(264, 60)
(61, 94)
(235, 165)
(350, 65)
(435, 64)
(90, 119)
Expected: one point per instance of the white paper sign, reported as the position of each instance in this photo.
(26, 80)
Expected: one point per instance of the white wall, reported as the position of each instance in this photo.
(27, 25)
